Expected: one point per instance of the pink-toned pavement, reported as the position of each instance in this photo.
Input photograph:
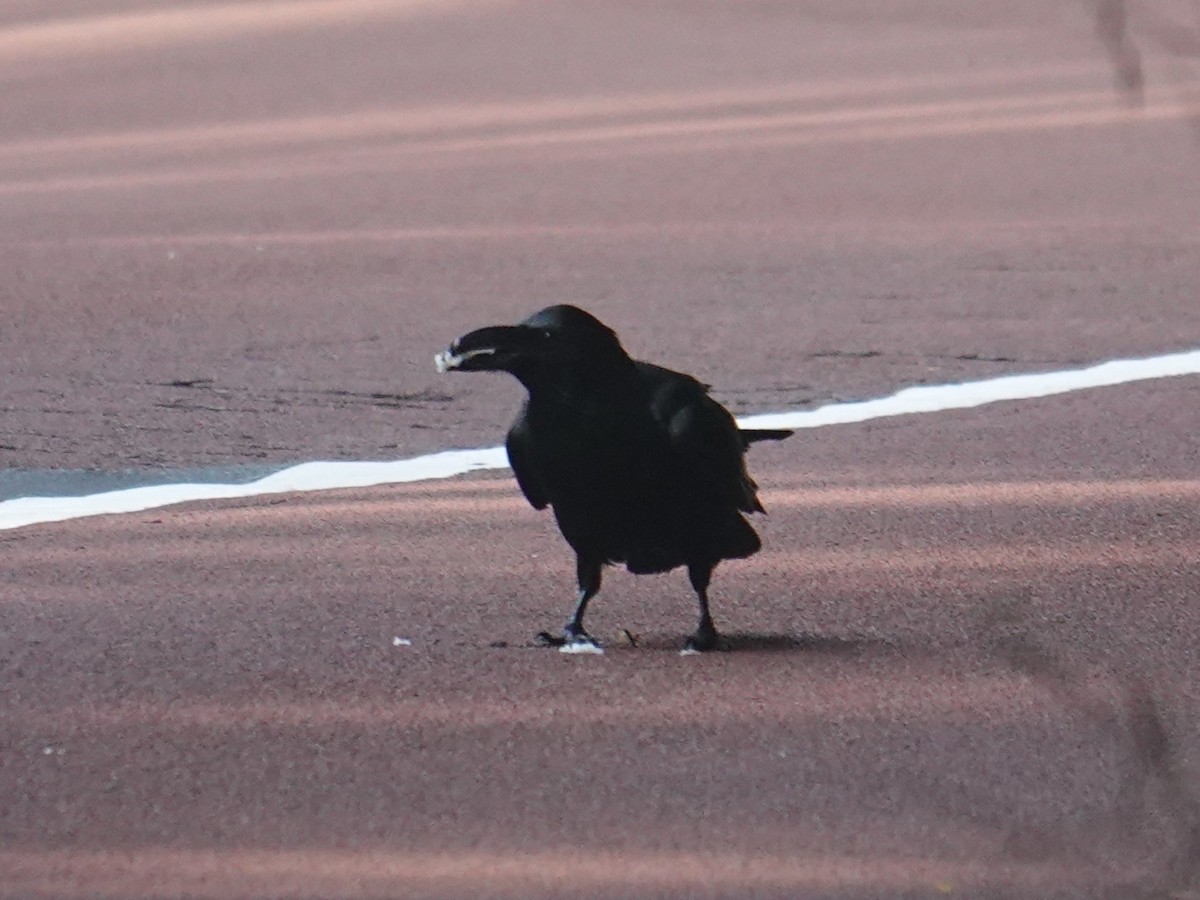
(964, 665)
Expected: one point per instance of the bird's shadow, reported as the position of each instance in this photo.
(760, 642)
(766, 642)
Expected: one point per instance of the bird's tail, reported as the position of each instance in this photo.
(750, 435)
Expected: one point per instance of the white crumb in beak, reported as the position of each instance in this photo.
(445, 361)
(689, 651)
(401, 642)
(582, 647)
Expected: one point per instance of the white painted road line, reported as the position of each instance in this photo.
(317, 476)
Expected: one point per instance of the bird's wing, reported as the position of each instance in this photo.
(524, 464)
(703, 435)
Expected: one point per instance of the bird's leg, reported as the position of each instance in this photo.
(587, 573)
(705, 638)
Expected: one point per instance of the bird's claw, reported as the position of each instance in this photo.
(578, 639)
(702, 641)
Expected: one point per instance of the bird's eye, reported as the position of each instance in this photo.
(546, 334)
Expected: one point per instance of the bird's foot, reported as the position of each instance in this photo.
(572, 640)
(702, 641)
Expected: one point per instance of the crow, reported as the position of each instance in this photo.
(640, 465)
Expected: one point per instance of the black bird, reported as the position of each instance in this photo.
(639, 463)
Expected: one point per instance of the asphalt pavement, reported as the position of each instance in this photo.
(964, 664)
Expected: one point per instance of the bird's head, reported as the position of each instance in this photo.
(552, 341)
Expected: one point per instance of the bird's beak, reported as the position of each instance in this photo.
(487, 349)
